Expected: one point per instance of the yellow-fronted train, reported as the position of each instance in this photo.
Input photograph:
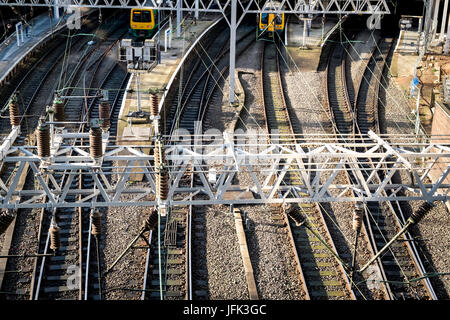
(271, 23)
(144, 23)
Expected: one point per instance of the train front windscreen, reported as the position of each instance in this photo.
(142, 16)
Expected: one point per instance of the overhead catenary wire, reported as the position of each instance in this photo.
(379, 82)
(315, 229)
(377, 226)
(347, 53)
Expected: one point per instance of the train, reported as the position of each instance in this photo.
(270, 24)
(144, 23)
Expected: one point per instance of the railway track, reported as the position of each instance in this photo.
(322, 276)
(201, 83)
(366, 107)
(185, 109)
(198, 274)
(402, 262)
(175, 261)
(34, 92)
(338, 98)
(175, 267)
(91, 76)
(56, 276)
(381, 220)
(40, 62)
(199, 289)
(114, 81)
(166, 259)
(182, 236)
(216, 77)
(76, 251)
(184, 225)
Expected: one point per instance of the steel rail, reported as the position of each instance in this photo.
(187, 93)
(205, 79)
(17, 89)
(369, 231)
(289, 128)
(368, 235)
(206, 73)
(74, 78)
(205, 103)
(400, 220)
(199, 65)
(85, 114)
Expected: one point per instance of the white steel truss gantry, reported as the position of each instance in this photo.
(225, 7)
(317, 159)
(248, 6)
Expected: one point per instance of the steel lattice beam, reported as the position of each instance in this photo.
(317, 161)
(248, 6)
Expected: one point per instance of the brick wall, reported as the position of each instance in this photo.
(441, 125)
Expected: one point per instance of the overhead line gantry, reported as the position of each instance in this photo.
(228, 8)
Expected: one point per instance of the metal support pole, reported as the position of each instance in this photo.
(286, 36)
(417, 112)
(52, 127)
(427, 27)
(159, 253)
(308, 24)
(165, 39)
(304, 33)
(156, 126)
(179, 17)
(19, 33)
(323, 28)
(158, 52)
(447, 41)
(233, 27)
(444, 21)
(170, 33)
(138, 90)
(51, 20)
(419, 32)
(196, 9)
(56, 9)
(435, 19)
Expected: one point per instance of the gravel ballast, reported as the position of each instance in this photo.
(312, 118)
(272, 260)
(433, 232)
